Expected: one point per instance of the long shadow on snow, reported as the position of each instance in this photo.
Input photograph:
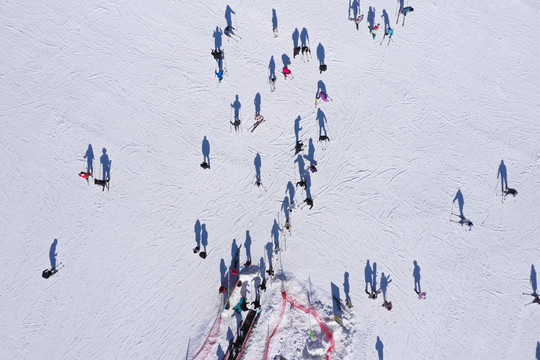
(311, 153)
(271, 69)
(257, 103)
(89, 156)
(416, 275)
(379, 347)
(52, 254)
(371, 17)
(533, 280)
(257, 163)
(217, 38)
(503, 175)
(368, 277)
(320, 54)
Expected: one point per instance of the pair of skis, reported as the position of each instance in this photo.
(257, 123)
(389, 39)
(404, 16)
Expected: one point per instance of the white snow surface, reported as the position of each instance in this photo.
(410, 124)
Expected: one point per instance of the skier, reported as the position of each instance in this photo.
(406, 10)
(287, 225)
(229, 31)
(273, 83)
(373, 294)
(322, 68)
(324, 138)
(536, 298)
(309, 201)
(510, 191)
(257, 303)
(302, 183)
(312, 168)
(305, 52)
(48, 273)
(241, 306)
(196, 249)
(286, 72)
(296, 51)
(374, 31)
(263, 285)
(102, 183)
(357, 20)
(299, 147)
(321, 96)
(217, 54)
(85, 175)
(219, 74)
(387, 305)
(464, 221)
(389, 32)
(205, 165)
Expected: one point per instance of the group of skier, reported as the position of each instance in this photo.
(388, 31)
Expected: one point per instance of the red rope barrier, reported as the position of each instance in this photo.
(311, 311)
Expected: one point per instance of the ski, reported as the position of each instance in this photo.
(257, 123)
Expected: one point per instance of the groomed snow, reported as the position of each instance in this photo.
(410, 124)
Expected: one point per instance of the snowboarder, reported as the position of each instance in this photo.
(309, 201)
(374, 31)
(286, 72)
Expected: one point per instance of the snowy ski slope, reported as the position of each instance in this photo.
(410, 123)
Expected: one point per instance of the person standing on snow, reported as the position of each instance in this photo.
(374, 31)
(219, 74)
(286, 72)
